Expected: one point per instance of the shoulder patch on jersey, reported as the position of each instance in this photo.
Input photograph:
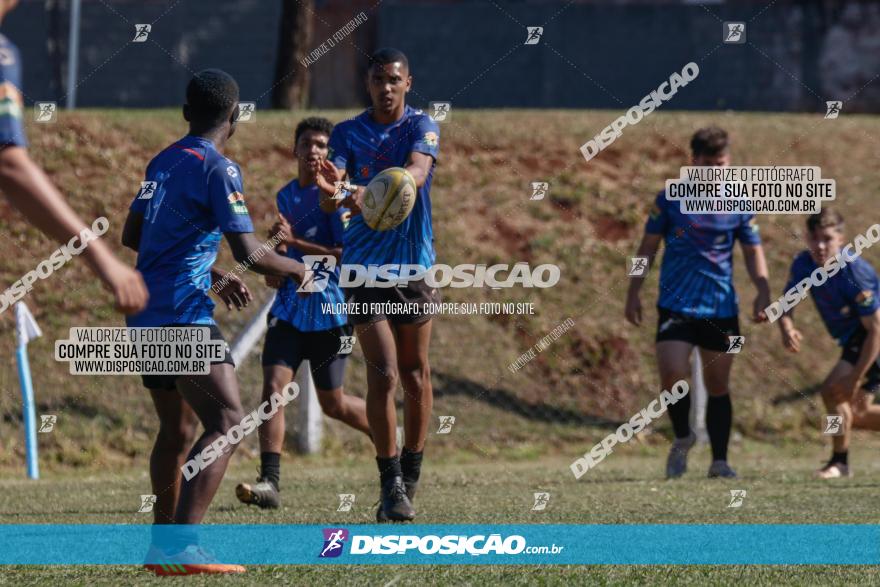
(231, 171)
(654, 213)
(865, 298)
(431, 139)
(236, 202)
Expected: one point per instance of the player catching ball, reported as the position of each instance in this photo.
(176, 227)
(31, 192)
(849, 305)
(698, 306)
(395, 346)
(298, 328)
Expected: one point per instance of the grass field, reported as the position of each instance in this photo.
(626, 489)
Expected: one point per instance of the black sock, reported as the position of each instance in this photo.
(839, 457)
(411, 465)
(270, 467)
(389, 468)
(719, 419)
(679, 413)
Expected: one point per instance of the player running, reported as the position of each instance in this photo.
(395, 346)
(29, 189)
(698, 305)
(298, 328)
(176, 229)
(848, 303)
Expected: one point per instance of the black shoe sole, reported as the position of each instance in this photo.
(246, 496)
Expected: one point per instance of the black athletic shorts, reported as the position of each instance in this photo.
(168, 381)
(288, 347)
(375, 304)
(707, 333)
(851, 351)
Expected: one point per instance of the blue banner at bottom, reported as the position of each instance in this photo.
(756, 544)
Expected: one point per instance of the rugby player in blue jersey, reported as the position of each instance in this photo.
(299, 328)
(848, 303)
(195, 197)
(395, 346)
(698, 306)
(28, 188)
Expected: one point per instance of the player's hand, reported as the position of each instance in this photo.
(282, 231)
(762, 300)
(633, 310)
(791, 339)
(234, 292)
(328, 176)
(274, 281)
(127, 285)
(354, 201)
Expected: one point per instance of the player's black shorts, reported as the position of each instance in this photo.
(288, 347)
(372, 301)
(168, 381)
(851, 351)
(711, 334)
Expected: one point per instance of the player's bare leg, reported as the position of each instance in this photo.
(177, 431)
(380, 354)
(674, 364)
(265, 492)
(348, 409)
(866, 414)
(835, 405)
(215, 400)
(413, 343)
(719, 411)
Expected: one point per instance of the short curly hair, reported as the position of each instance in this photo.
(315, 123)
(710, 141)
(211, 95)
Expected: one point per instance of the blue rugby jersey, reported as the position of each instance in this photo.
(300, 206)
(696, 276)
(364, 148)
(11, 103)
(846, 296)
(191, 195)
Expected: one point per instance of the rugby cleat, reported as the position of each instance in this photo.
(410, 487)
(720, 469)
(676, 463)
(394, 504)
(263, 494)
(833, 471)
(192, 561)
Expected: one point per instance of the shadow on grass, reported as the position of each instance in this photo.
(449, 385)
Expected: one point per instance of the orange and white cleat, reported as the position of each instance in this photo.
(192, 561)
(833, 471)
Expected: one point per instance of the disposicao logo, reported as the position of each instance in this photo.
(334, 539)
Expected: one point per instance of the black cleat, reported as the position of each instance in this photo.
(394, 504)
(263, 495)
(410, 487)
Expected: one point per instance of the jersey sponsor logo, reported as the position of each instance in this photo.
(236, 202)
(431, 139)
(365, 171)
(231, 171)
(655, 212)
(865, 298)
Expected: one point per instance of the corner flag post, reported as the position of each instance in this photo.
(25, 329)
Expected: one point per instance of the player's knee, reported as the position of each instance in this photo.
(388, 376)
(416, 376)
(332, 408)
(175, 439)
(227, 419)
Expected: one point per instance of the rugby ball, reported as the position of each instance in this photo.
(389, 199)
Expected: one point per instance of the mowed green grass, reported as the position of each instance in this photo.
(627, 488)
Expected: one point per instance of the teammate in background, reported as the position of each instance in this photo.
(848, 303)
(176, 229)
(390, 134)
(298, 328)
(698, 306)
(29, 189)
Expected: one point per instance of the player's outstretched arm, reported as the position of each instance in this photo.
(647, 248)
(756, 265)
(32, 193)
(283, 232)
(261, 258)
(230, 289)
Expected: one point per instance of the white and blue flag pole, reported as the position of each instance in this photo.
(26, 329)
